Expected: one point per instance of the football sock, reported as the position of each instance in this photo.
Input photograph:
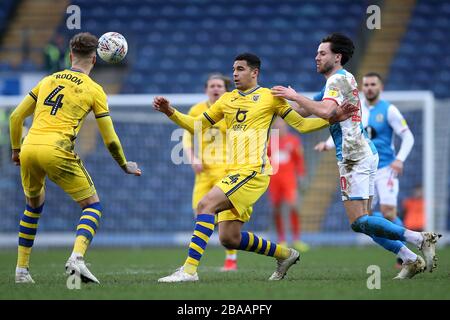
(295, 225)
(204, 228)
(279, 226)
(391, 245)
(27, 232)
(406, 255)
(380, 227)
(87, 226)
(251, 242)
(231, 254)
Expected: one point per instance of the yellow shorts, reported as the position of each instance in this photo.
(243, 189)
(62, 167)
(204, 182)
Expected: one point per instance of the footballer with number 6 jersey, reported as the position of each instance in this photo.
(209, 163)
(59, 104)
(249, 112)
(357, 156)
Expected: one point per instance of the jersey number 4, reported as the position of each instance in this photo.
(57, 103)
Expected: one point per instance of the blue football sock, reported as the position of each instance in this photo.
(379, 227)
(390, 245)
(398, 221)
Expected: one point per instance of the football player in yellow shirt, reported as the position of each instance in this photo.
(249, 112)
(209, 164)
(59, 104)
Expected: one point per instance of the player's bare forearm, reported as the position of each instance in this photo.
(343, 112)
(301, 111)
(322, 109)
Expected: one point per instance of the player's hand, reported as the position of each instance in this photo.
(132, 168)
(397, 166)
(287, 93)
(321, 146)
(197, 167)
(161, 104)
(343, 112)
(15, 157)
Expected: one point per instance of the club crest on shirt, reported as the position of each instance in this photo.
(379, 118)
(255, 98)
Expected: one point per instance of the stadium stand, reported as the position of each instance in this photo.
(427, 30)
(171, 58)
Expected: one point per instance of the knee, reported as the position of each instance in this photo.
(229, 241)
(390, 214)
(360, 224)
(203, 206)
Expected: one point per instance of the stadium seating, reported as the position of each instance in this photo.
(421, 50)
(174, 45)
(6, 7)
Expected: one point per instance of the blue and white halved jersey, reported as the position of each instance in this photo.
(384, 121)
(349, 136)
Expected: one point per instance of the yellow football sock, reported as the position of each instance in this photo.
(23, 257)
(81, 245)
(190, 266)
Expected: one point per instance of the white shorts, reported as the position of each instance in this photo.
(386, 187)
(357, 179)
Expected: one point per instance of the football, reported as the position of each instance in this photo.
(112, 47)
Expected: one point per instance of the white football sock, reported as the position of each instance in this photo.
(413, 237)
(406, 255)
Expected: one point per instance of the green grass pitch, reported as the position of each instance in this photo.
(323, 273)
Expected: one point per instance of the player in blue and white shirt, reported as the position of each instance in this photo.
(382, 121)
(357, 156)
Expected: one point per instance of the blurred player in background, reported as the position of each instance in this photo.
(382, 120)
(60, 102)
(249, 112)
(283, 184)
(211, 166)
(357, 156)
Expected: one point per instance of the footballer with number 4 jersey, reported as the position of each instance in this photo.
(357, 156)
(59, 104)
(248, 112)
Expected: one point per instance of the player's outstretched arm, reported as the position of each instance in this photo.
(114, 146)
(187, 122)
(18, 116)
(305, 125)
(323, 109)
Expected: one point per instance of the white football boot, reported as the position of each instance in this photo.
(283, 265)
(23, 276)
(78, 266)
(179, 276)
(428, 249)
(411, 268)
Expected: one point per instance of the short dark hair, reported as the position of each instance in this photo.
(253, 61)
(374, 74)
(83, 44)
(226, 80)
(342, 44)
